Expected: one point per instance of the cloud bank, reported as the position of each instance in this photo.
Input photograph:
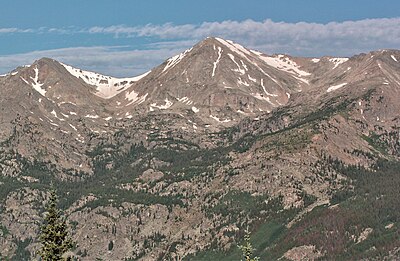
(306, 39)
(107, 60)
(299, 39)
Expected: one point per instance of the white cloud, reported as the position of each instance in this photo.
(164, 31)
(10, 30)
(300, 39)
(306, 39)
(113, 61)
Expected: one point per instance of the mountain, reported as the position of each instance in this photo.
(179, 161)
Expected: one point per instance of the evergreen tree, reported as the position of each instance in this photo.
(54, 235)
(247, 249)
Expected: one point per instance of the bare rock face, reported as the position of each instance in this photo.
(151, 175)
(178, 161)
(303, 253)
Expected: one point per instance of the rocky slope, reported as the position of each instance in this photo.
(179, 161)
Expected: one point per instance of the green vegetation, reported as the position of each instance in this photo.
(21, 253)
(54, 238)
(247, 248)
(373, 204)
(264, 236)
(232, 254)
(238, 205)
(290, 140)
(4, 231)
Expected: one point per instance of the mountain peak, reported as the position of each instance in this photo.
(216, 42)
(208, 40)
(46, 60)
(162, 147)
(106, 86)
(220, 78)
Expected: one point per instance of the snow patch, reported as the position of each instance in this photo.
(128, 115)
(335, 87)
(185, 100)
(338, 61)
(256, 52)
(195, 110)
(217, 119)
(239, 69)
(262, 97)
(55, 115)
(237, 48)
(11, 73)
(241, 82)
(269, 76)
(73, 127)
(142, 98)
(281, 62)
(394, 58)
(133, 97)
(92, 116)
(171, 62)
(167, 104)
(244, 65)
(36, 85)
(106, 86)
(216, 62)
(80, 139)
(267, 93)
(251, 78)
(64, 115)
(315, 60)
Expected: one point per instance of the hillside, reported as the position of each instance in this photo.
(178, 162)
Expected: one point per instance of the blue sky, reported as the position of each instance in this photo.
(125, 38)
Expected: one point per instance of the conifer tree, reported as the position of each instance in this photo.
(54, 236)
(247, 249)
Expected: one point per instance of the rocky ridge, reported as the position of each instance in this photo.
(163, 164)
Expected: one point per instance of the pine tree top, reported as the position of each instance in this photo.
(54, 236)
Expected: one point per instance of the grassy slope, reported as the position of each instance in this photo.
(374, 203)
